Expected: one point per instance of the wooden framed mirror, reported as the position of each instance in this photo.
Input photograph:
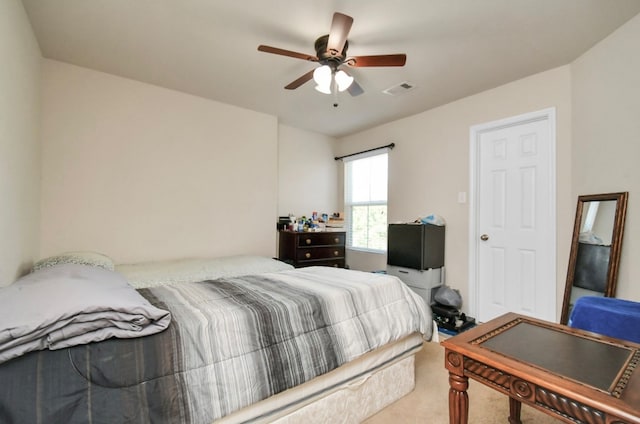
(595, 248)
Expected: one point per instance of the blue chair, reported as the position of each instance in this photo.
(609, 316)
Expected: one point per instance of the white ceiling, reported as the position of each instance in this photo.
(455, 48)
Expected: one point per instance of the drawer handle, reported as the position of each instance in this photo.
(307, 255)
(308, 241)
(335, 265)
(336, 240)
(336, 253)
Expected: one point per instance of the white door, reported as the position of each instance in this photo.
(513, 217)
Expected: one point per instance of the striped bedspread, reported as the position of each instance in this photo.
(232, 342)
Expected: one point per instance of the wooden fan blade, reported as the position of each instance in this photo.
(380, 60)
(355, 89)
(297, 83)
(340, 27)
(289, 53)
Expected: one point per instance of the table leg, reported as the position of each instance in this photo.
(514, 411)
(458, 399)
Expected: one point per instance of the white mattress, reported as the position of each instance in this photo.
(362, 387)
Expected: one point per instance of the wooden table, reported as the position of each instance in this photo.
(572, 375)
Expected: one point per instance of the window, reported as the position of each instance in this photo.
(366, 202)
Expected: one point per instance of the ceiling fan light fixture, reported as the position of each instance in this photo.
(322, 76)
(325, 89)
(343, 80)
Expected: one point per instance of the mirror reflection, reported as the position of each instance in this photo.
(595, 248)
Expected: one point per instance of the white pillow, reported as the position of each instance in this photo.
(80, 258)
(150, 274)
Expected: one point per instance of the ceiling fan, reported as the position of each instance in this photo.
(331, 53)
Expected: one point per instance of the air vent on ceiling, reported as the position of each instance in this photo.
(403, 87)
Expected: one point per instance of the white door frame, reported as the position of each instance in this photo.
(475, 131)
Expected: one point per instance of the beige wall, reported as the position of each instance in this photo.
(430, 164)
(307, 172)
(139, 172)
(606, 134)
(598, 110)
(19, 142)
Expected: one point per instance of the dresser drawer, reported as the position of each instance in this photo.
(321, 239)
(336, 263)
(312, 253)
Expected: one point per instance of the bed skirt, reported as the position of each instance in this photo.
(348, 394)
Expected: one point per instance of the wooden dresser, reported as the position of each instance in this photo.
(301, 249)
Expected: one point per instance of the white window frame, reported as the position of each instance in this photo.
(348, 204)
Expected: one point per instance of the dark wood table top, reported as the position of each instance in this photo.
(596, 370)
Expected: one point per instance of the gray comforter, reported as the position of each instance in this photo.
(68, 305)
(232, 342)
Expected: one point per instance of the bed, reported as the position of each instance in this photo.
(250, 340)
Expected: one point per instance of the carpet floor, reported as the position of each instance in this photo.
(429, 402)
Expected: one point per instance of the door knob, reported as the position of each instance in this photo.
(484, 237)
